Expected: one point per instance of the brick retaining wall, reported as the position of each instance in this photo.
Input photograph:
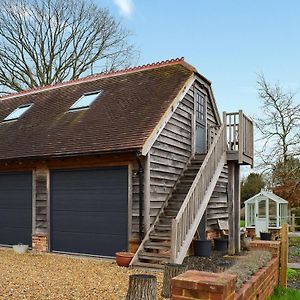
(194, 285)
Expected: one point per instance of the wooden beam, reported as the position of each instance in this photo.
(147, 193)
(231, 219)
(283, 256)
(237, 206)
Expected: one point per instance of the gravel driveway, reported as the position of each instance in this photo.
(52, 276)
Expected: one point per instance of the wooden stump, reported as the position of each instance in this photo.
(141, 287)
(171, 270)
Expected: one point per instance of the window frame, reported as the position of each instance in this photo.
(74, 107)
(9, 117)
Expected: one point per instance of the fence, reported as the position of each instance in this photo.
(294, 223)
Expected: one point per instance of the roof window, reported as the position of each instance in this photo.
(18, 112)
(85, 101)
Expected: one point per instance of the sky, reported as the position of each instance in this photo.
(230, 42)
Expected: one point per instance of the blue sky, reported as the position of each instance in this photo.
(228, 41)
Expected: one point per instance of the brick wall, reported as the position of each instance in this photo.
(262, 284)
(194, 285)
(210, 235)
(203, 285)
(40, 243)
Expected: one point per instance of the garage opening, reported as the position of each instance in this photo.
(89, 210)
(15, 208)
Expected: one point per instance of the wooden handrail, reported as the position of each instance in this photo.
(187, 220)
(239, 134)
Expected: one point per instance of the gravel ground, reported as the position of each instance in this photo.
(294, 249)
(51, 276)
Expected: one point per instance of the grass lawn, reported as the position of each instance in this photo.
(285, 294)
(242, 223)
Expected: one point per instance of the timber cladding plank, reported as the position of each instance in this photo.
(170, 154)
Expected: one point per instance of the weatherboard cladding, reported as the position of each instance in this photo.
(131, 105)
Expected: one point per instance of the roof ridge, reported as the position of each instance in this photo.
(163, 63)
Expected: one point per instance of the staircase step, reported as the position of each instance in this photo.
(148, 265)
(175, 204)
(162, 234)
(157, 245)
(200, 156)
(155, 254)
(154, 258)
(162, 228)
(160, 237)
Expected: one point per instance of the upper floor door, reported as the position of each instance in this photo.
(200, 122)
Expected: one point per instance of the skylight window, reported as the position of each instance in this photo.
(18, 112)
(86, 100)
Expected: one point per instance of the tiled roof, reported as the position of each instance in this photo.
(131, 105)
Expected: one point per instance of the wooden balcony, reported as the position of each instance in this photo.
(239, 136)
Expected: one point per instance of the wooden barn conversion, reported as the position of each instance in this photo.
(123, 160)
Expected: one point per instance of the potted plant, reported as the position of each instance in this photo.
(265, 236)
(123, 258)
(221, 245)
(202, 247)
(246, 241)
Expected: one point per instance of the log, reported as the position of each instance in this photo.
(171, 271)
(141, 287)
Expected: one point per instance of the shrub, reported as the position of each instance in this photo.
(248, 265)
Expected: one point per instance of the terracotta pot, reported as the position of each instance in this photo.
(123, 259)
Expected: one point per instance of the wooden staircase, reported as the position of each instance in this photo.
(172, 232)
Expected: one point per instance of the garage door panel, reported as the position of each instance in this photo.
(15, 208)
(104, 202)
(14, 235)
(100, 222)
(88, 244)
(89, 210)
(20, 218)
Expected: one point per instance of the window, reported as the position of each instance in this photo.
(18, 112)
(85, 101)
(200, 107)
(262, 209)
(272, 213)
(251, 214)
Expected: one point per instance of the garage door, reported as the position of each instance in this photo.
(89, 210)
(15, 208)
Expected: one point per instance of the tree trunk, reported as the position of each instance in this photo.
(141, 287)
(171, 270)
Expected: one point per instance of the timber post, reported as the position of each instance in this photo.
(283, 256)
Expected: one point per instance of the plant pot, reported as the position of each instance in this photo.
(123, 259)
(221, 245)
(20, 248)
(246, 243)
(202, 248)
(265, 236)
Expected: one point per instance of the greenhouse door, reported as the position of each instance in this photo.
(261, 224)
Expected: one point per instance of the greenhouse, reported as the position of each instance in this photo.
(265, 211)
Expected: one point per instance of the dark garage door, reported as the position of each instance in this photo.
(15, 208)
(89, 210)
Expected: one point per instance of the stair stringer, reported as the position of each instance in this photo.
(186, 244)
(160, 212)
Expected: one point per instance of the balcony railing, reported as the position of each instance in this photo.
(239, 134)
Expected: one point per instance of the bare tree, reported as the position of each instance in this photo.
(279, 125)
(48, 41)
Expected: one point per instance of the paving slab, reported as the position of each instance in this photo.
(294, 266)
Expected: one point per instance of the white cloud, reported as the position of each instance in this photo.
(125, 7)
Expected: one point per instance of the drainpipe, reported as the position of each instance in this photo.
(141, 196)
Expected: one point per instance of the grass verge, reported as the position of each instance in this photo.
(285, 294)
